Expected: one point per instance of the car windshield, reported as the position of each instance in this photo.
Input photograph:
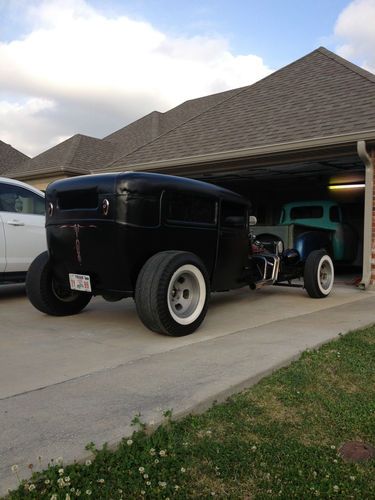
(306, 212)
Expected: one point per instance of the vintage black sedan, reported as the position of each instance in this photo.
(165, 241)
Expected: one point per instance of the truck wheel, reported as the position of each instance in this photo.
(47, 295)
(172, 293)
(319, 274)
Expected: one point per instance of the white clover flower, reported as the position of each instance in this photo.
(352, 478)
(208, 433)
(67, 479)
(185, 444)
(119, 490)
(148, 483)
(315, 473)
(335, 461)
(336, 488)
(162, 453)
(32, 487)
(61, 482)
(254, 448)
(78, 493)
(47, 481)
(88, 492)
(141, 470)
(333, 447)
(156, 461)
(176, 487)
(183, 469)
(61, 472)
(14, 468)
(145, 476)
(152, 452)
(143, 492)
(162, 484)
(129, 442)
(88, 463)
(72, 490)
(101, 481)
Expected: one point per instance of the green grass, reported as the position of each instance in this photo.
(278, 439)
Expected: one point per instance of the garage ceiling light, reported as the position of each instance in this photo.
(346, 186)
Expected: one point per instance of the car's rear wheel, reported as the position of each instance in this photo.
(48, 295)
(319, 274)
(172, 293)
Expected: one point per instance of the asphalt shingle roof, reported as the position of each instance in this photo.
(80, 152)
(317, 96)
(10, 158)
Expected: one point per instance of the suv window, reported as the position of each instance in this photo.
(233, 215)
(190, 209)
(313, 212)
(18, 199)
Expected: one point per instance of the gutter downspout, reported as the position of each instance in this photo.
(367, 228)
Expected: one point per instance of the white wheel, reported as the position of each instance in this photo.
(319, 274)
(186, 294)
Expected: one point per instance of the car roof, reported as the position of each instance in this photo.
(14, 182)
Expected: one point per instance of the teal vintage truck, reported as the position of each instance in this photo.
(313, 225)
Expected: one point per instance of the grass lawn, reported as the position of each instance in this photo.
(278, 439)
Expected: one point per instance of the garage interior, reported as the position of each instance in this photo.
(270, 183)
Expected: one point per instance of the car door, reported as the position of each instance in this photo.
(23, 219)
(2, 246)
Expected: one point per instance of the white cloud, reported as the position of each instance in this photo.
(102, 72)
(355, 27)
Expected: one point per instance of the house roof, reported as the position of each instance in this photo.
(318, 96)
(79, 154)
(10, 158)
(155, 124)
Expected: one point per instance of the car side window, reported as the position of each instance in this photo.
(334, 214)
(19, 200)
(233, 215)
(187, 208)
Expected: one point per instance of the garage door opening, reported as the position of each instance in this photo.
(271, 187)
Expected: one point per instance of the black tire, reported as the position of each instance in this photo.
(163, 304)
(319, 274)
(45, 294)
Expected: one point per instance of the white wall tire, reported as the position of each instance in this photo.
(319, 274)
(172, 293)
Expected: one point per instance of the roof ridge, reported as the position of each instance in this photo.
(347, 64)
(240, 89)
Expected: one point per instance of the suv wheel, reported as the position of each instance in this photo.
(319, 274)
(172, 293)
(47, 295)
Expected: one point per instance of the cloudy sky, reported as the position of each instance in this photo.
(91, 66)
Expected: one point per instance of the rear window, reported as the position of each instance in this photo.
(187, 208)
(313, 212)
(79, 199)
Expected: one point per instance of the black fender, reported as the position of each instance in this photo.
(309, 241)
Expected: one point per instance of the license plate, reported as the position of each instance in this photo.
(80, 282)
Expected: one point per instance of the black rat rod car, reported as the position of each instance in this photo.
(165, 241)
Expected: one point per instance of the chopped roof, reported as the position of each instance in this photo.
(10, 158)
(317, 96)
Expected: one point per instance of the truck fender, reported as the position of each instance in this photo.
(309, 241)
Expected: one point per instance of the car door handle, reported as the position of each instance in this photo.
(15, 222)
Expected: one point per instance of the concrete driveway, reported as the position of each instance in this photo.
(67, 381)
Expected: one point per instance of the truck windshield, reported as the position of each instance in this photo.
(306, 212)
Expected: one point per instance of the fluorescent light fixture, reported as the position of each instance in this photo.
(346, 186)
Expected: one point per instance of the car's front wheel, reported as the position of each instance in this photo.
(47, 295)
(172, 293)
(319, 274)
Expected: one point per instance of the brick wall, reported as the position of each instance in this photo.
(372, 154)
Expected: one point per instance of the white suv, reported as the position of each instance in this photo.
(22, 228)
